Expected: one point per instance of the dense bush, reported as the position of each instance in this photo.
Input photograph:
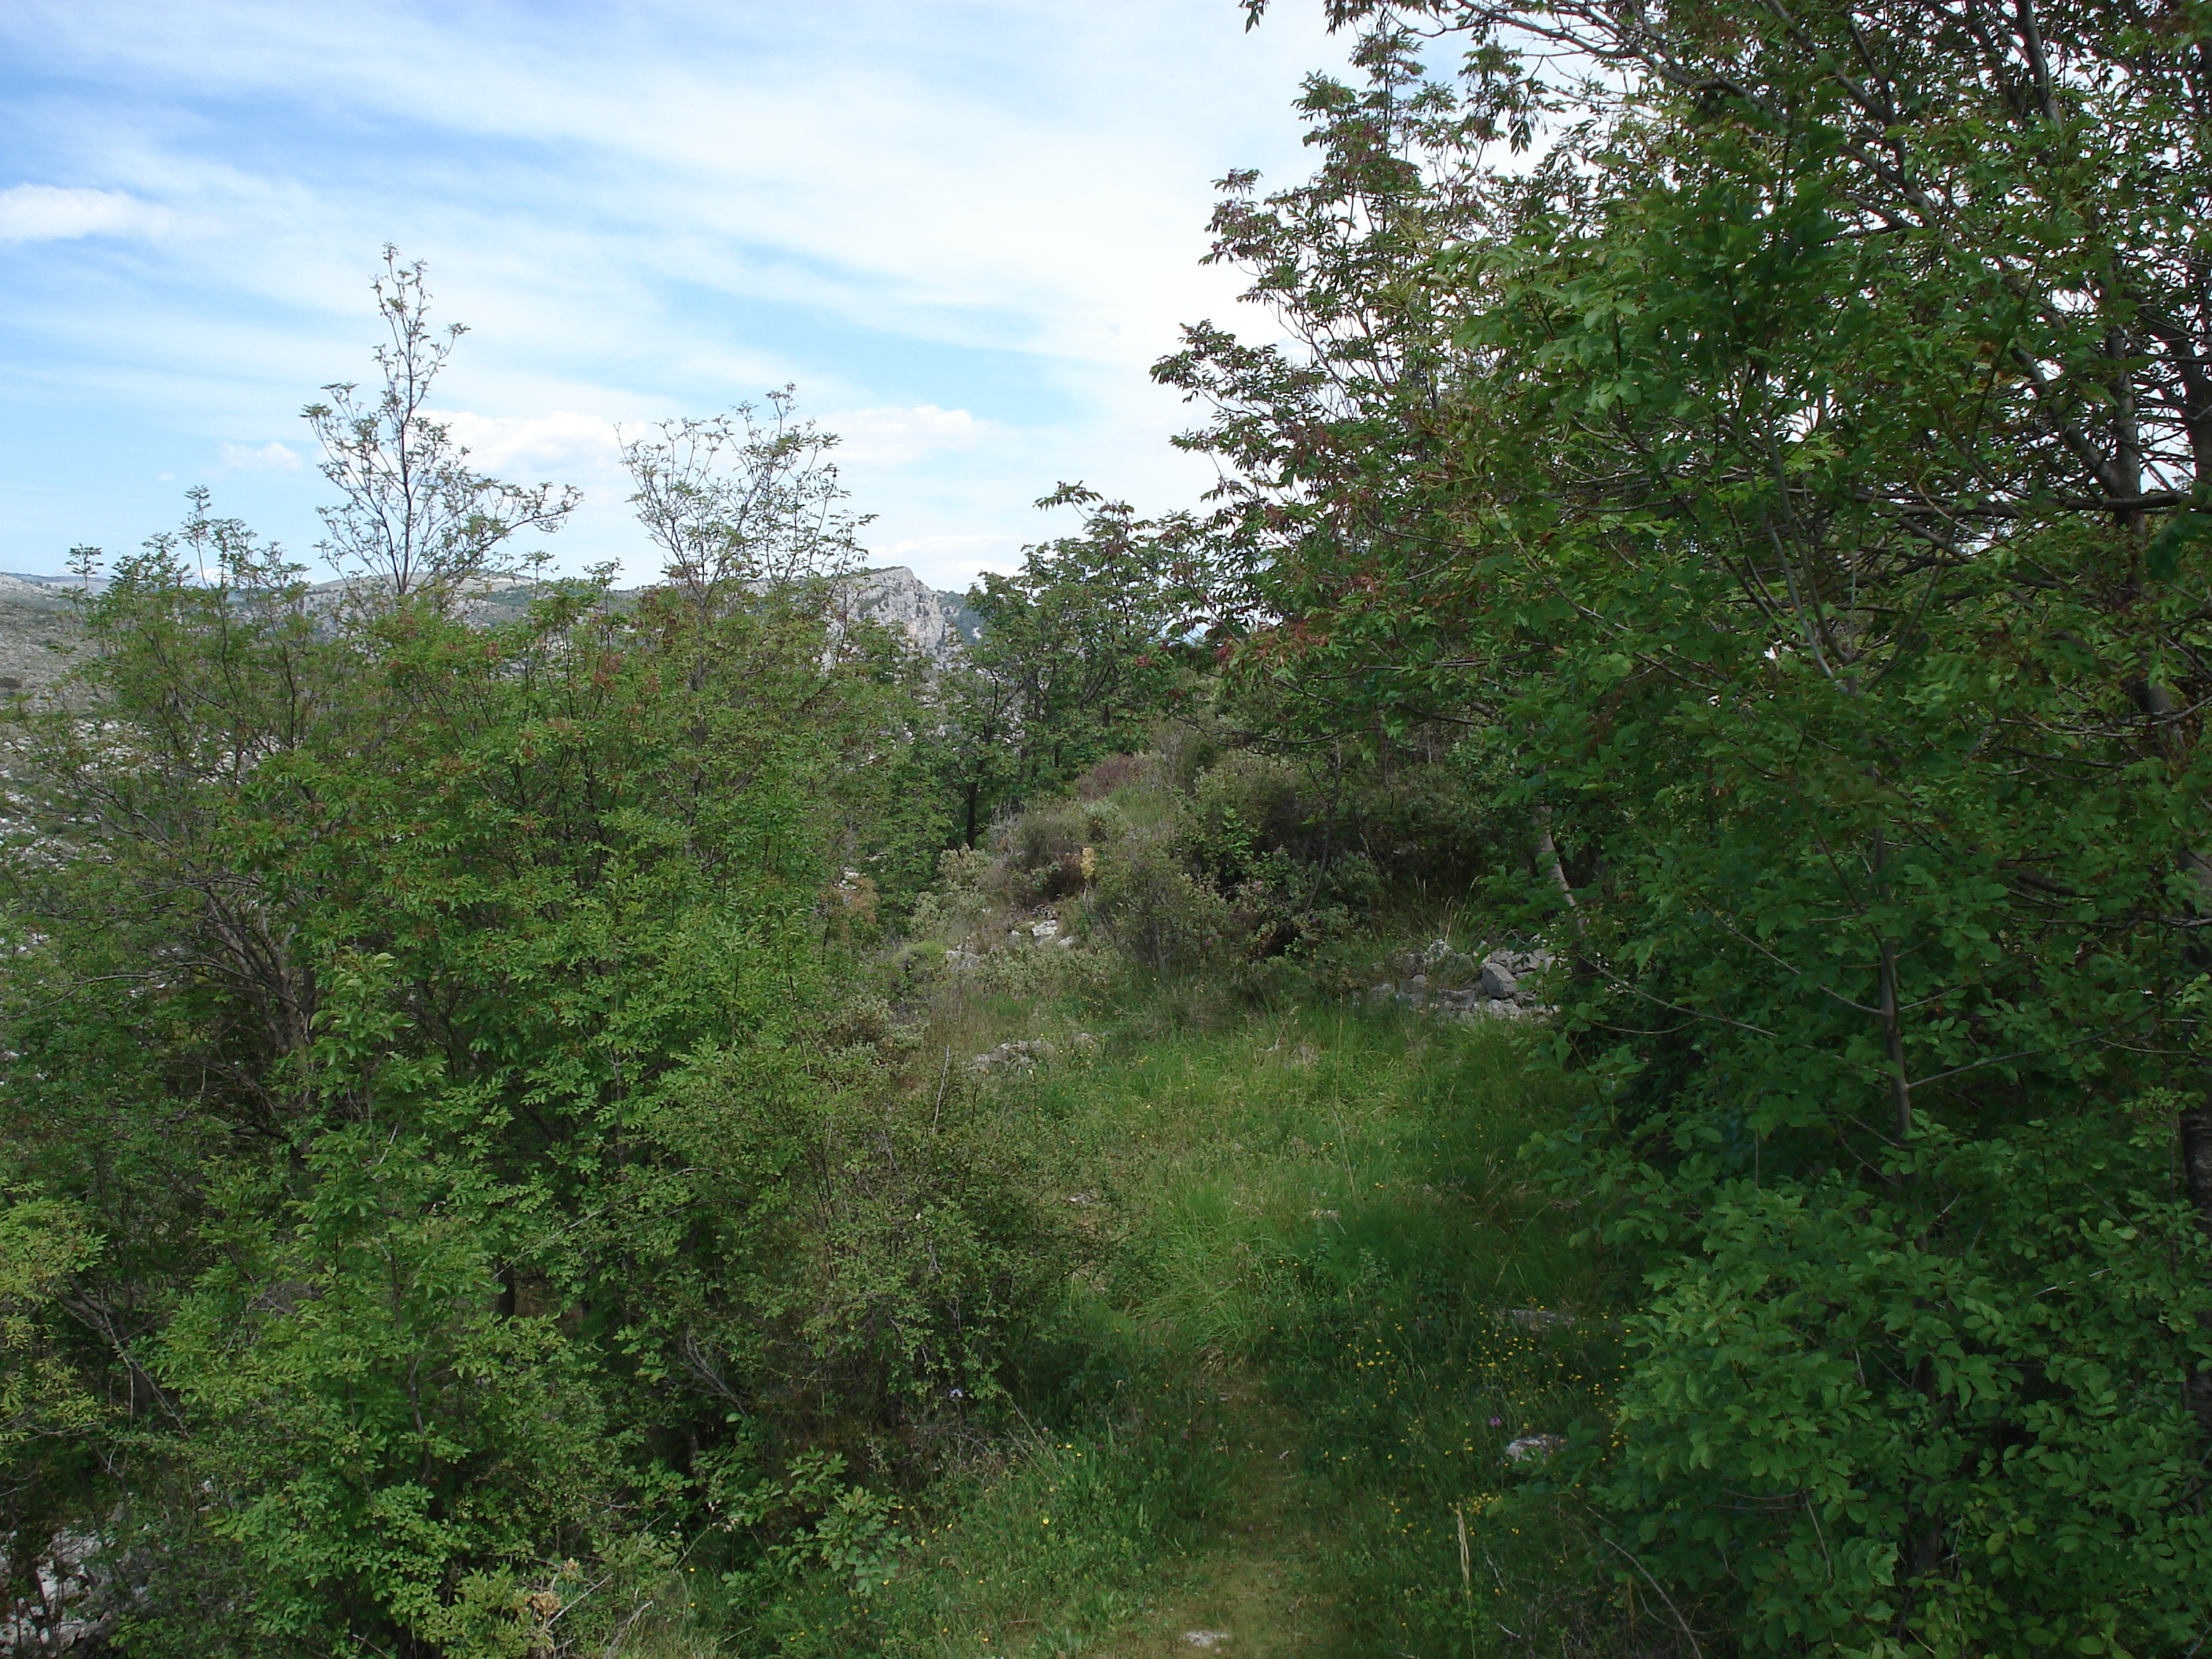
(1850, 1421)
(435, 1124)
(1241, 865)
(1789, 485)
(1153, 907)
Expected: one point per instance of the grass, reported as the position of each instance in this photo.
(1291, 1367)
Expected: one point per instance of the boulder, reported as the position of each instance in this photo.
(1533, 1448)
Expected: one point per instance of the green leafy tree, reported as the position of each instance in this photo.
(1813, 475)
(432, 1025)
(741, 501)
(1331, 438)
(412, 516)
(1077, 655)
(437, 1016)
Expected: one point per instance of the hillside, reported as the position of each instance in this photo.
(39, 629)
(1566, 1018)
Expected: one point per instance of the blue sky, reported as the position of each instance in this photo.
(964, 228)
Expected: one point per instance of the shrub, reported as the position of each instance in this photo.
(1156, 910)
(854, 1261)
(1244, 807)
(1860, 1428)
(1043, 847)
(1115, 774)
(955, 910)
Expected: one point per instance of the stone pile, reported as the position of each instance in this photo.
(1021, 936)
(1503, 984)
(1027, 1056)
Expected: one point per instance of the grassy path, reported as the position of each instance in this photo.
(1293, 1363)
(1251, 1589)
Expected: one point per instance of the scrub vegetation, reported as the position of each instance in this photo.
(1565, 1020)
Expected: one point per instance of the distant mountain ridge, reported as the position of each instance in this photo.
(37, 629)
(39, 593)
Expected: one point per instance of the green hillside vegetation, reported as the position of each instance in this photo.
(1568, 1019)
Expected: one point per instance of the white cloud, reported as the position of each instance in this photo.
(949, 563)
(963, 226)
(998, 173)
(48, 212)
(270, 458)
(563, 445)
(898, 437)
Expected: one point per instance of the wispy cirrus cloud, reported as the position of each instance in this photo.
(900, 437)
(50, 213)
(564, 444)
(268, 458)
(964, 227)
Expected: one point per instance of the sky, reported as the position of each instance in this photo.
(963, 228)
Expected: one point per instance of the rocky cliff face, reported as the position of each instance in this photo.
(894, 596)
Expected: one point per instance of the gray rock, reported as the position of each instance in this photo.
(1497, 980)
(1443, 963)
(79, 1597)
(897, 598)
(1535, 1319)
(1014, 1057)
(1533, 1448)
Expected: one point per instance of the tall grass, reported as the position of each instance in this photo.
(1310, 1230)
(1330, 1203)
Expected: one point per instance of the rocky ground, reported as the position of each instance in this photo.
(1501, 984)
(37, 631)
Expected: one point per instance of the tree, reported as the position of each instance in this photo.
(1331, 440)
(1076, 655)
(1810, 506)
(434, 1158)
(414, 518)
(742, 501)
